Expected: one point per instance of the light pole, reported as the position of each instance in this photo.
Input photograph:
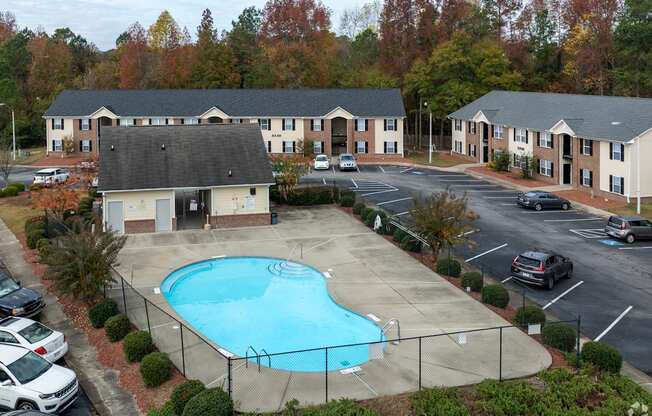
(13, 129)
(430, 140)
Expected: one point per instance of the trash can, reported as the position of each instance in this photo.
(274, 218)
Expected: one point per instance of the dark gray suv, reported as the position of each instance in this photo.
(629, 229)
(542, 268)
(542, 200)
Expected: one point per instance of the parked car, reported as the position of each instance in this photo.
(30, 382)
(51, 176)
(347, 161)
(542, 200)
(629, 229)
(541, 268)
(322, 162)
(34, 336)
(16, 300)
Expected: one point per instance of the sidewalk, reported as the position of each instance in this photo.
(99, 383)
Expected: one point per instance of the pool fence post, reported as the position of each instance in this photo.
(500, 357)
(183, 354)
(124, 297)
(149, 328)
(419, 363)
(577, 347)
(326, 372)
(229, 376)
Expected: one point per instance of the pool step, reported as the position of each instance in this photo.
(288, 269)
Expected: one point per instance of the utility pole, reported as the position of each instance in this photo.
(425, 104)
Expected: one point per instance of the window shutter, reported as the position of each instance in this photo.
(611, 155)
(80, 124)
(63, 125)
(149, 121)
(166, 121)
(538, 139)
(581, 146)
(385, 125)
(312, 125)
(552, 169)
(385, 146)
(611, 183)
(622, 153)
(591, 178)
(52, 124)
(622, 185)
(552, 141)
(395, 147)
(80, 145)
(527, 136)
(294, 146)
(591, 152)
(293, 125)
(514, 136)
(366, 147)
(90, 124)
(366, 125)
(90, 145)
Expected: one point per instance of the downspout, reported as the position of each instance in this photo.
(628, 175)
(638, 176)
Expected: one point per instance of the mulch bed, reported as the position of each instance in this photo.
(109, 355)
(511, 177)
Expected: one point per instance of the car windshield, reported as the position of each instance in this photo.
(7, 286)
(35, 332)
(44, 173)
(347, 158)
(322, 158)
(615, 221)
(29, 367)
(531, 195)
(526, 261)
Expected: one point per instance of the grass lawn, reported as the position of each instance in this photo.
(646, 210)
(14, 211)
(35, 154)
(439, 159)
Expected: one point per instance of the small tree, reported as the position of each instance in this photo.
(80, 261)
(6, 160)
(57, 199)
(289, 170)
(68, 145)
(501, 161)
(528, 164)
(442, 219)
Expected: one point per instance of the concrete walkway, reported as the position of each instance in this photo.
(370, 276)
(99, 383)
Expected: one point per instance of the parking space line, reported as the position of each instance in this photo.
(552, 211)
(475, 185)
(577, 219)
(357, 168)
(636, 248)
(323, 180)
(492, 190)
(460, 180)
(589, 232)
(354, 184)
(381, 168)
(509, 205)
(486, 252)
(458, 175)
(394, 200)
(333, 168)
(379, 192)
(406, 170)
(621, 316)
(500, 197)
(507, 280)
(552, 302)
(402, 213)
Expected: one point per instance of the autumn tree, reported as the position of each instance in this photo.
(289, 170)
(215, 64)
(50, 67)
(7, 25)
(57, 199)
(133, 58)
(501, 15)
(84, 54)
(398, 36)
(633, 46)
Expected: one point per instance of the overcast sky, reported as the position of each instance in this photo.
(101, 21)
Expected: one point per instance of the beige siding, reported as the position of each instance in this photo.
(237, 200)
(51, 134)
(615, 167)
(459, 136)
(277, 135)
(641, 151)
(140, 205)
(387, 136)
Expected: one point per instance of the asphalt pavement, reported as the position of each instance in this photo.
(611, 287)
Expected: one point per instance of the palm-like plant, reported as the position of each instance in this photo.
(80, 261)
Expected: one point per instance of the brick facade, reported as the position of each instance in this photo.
(545, 153)
(322, 136)
(243, 220)
(78, 135)
(367, 136)
(473, 139)
(140, 226)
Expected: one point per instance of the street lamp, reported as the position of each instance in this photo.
(13, 129)
(430, 140)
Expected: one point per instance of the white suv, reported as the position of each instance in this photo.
(34, 336)
(51, 176)
(30, 382)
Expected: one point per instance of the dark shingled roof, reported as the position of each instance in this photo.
(363, 102)
(590, 116)
(194, 156)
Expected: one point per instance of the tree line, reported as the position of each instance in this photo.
(443, 52)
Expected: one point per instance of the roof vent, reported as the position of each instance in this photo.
(615, 123)
(163, 146)
(230, 173)
(112, 147)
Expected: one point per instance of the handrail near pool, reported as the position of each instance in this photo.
(390, 323)
(269, 359)
(247, 357)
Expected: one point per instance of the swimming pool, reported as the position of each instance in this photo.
(271, 304)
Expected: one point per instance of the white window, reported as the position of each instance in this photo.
(545, 167)
(85, 145)
(587, 177)
(288, 124)
(587, 147)
(458, 125)
(317, 124)
(545, 139)
(391, 124)
(472, 127)
(471, 150)
(236, 121)
(127, 122)
(361, 124)
(616, 152)
(617, 184)
(498, 132)
(85, 124)
(265, 124)
(521, 136)
(361, 147)
(57, 145)
(57, 124)
(190, 120)
(288, 147)
(389, 147)
(317, 147)
(458, 146)
(158, 121)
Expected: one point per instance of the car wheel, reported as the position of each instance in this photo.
(538, 207)
(26, 406)
(550, 283)
(569, 274)
(630, 238)
(565, 206)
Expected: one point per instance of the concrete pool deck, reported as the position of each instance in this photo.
(369, 276)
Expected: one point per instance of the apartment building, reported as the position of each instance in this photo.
(368, 122)
(595, 143)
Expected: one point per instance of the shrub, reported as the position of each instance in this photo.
(495, 295)
(311, 196)
(342, 407)
(20, 187)
(602, 356)
(85, 205)
(410, 243)
(358, 207)
(473, 280)
(449, 267)
(34, 223)
(155, 368)
(438, 402)
(371, 218)
(33, 236)
(560, 336)
(92, 192)
(399, 235)
(117, 327)
(42, 247)
(137, 345)
(166, 410)
(210, 402)
(35, 187)
(9, 191)
(366, 212)
(530, 314)
(183, 393)
(347, 201)
(102, 311)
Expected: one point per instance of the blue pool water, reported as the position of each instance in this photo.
(270, 304)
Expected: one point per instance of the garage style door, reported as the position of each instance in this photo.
(115, 218)
(163, 218)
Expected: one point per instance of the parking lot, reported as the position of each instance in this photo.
(611, 287)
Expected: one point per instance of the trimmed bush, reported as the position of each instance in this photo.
(35, 187)
(136, 345)
(9, 191)
(495, 295)
(439, 402)
(117, 327)
(371, 217)
(155, 368)
(19, 186)
(366, 212)
(317, 195)
(410, 243)
(210, 402)
(399, 235)
(166, 410)
(183, 393)
(347, 201)
(33, 236)
(42, 247)
(449, 267)
(604, 357)
(472, 280)
(102, 311)
(358, 207)
(560, 336)
(85, 205)
(530, 314)
(342, 407)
